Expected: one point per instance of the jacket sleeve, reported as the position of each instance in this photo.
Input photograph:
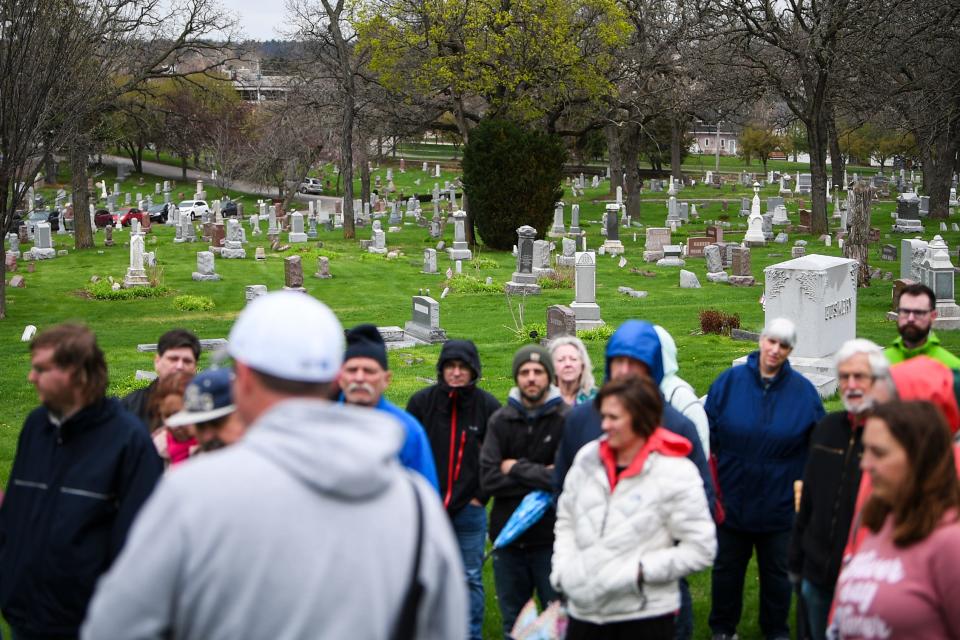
(140, 470)
(532, 475)
(690, 524)
(566, 452)
(416, 405)
(492, 481)
(136, 599)
(688, 404)
(416, 453)
(567, 566)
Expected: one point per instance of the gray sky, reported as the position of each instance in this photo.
(258, 18)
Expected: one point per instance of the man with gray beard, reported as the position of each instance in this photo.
(364, 377)
(831, 480)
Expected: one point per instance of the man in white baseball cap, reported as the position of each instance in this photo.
(308, 527)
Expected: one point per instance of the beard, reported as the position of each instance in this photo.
(533, 398)
(866, 402)
(913, 334)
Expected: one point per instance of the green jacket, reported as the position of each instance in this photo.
(897, 352)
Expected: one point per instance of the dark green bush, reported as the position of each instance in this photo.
(511, 177)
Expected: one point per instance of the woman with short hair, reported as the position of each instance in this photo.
(631, 521)
(574, 370)
(904, 582)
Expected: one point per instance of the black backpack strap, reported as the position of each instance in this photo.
(405, 627)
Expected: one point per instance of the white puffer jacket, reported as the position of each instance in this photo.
(658, 517)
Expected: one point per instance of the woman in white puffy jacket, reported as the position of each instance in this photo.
(631, 521)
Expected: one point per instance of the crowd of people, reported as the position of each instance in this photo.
(284, 496)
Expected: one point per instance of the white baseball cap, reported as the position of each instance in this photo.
(290, 335)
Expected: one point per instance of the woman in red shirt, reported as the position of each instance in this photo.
(905, 579)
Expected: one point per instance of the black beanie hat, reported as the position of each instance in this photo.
(533, 353)
(364, 341)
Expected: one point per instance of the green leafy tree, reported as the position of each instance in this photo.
(758, 142)
(512, 176)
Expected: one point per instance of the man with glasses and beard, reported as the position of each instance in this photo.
(831, 480)
(517, 458)
(364, 377)
(916, 311)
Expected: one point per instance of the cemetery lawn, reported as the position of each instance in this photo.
(372, 288)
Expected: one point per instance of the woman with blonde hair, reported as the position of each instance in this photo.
(574, 370)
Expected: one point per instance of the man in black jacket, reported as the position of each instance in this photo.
(517, 458)
(831, 480)
(177, 350)
(454, 413)
(83, 468)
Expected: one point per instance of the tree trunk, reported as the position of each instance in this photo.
(676, 138)
(363, 161)
(49, 164)
(183, 167)
(817, 137)
(616, 160)
(346, 165)
(82, 234)
(857, 246)
(937, 170)
(837, 161)
(631, 156)
(5, 215)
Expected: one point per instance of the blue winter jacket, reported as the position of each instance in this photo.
(73, 493)
(759, 435)
(415, 453)
(636, 339)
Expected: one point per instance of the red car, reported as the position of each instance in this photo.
(132, 214)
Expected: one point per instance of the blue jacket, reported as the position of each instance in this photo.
(415, 453)
(759, 436)
(73, 493)
(636, 339)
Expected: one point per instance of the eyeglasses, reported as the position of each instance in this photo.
(856, 377)
(917, 313)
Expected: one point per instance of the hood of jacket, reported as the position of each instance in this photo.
(341, 450)
(554, 398)
(668, 352)
(923, 378)
(459, 350)
(636, 339)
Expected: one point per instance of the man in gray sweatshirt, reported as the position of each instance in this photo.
(307, 528)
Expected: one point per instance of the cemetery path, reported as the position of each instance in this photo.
(175, 173)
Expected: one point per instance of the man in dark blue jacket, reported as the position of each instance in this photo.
(83, 467)
(634, 348)
(761, 416)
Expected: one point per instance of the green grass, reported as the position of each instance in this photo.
(366, 289)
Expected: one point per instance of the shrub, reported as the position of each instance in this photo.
(462, 283)
(480, 263)
(512, 177)
(713, 321)
(600, 334)
(193, 303)
(103, 290)
(561, 279)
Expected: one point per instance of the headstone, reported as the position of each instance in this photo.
(938, 273)
(297, 234)
(713, 258)
(378, 241)
(233, 244)
(688, 280)
(671, 256)
(612, 244)
(906, 225)
(908, 205)
(584, 305)
(696, 246)
(136, 274)
(206, 270)
(804, 183)
(43, 249)
(561, 321)
(425, 322)
(293, 273)
(17, 282)
(558, 229)
(575, 220)
(741, 275)
(755, 235)
(523, 281)
(430, 261)
(14, 242)
(798, 251)
(460, 249)
(541, 259)
(218, 235)
(888, 252)
(253, 291)
(656, 238)
(569, 248)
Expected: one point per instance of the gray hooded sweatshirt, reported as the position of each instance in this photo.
(678, 392)
(305, 529)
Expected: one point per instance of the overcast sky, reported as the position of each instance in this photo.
(258, 18)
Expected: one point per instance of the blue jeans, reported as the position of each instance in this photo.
(470, 526)
(816, 601)
(517, 572)
(734, 549)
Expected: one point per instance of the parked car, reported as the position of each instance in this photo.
(53, 217)
(159, 212)
(228, 209)
(132, 214)
(311, 185)
(102, 218)
(193, 208)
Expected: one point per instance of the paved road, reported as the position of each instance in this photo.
(166, 171)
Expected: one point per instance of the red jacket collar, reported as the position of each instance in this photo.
(661, 440)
